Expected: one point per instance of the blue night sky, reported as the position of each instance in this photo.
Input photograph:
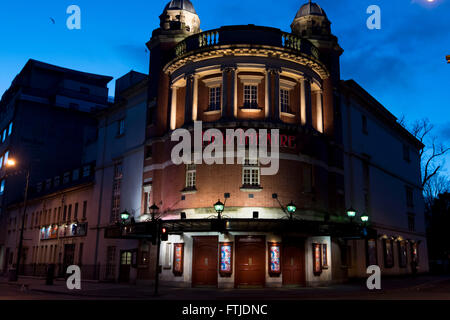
(402, 65)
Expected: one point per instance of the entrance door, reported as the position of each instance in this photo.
(293, 264)
(250, 261)
(69, 256)
(204, 263)
(125, 266)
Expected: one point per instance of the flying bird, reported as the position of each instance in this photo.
(53, 20)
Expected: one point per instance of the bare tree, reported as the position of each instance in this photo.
(437, 185)
(432, 158)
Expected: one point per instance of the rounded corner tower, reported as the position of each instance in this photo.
(312, 23)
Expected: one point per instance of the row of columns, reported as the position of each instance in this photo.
(229, 109)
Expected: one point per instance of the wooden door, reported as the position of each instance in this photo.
(205, 261)
(125, 266)
(293, 264)
(250, 261)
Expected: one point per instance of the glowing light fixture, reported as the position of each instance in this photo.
(351, 213)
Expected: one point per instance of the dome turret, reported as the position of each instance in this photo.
(180, 15)
(311, 20)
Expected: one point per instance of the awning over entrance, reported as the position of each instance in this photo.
(145, 230)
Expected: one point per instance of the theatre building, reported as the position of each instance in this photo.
(339, 150)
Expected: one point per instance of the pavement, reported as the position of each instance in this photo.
(422, 287)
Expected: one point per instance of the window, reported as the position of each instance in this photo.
(388, 253)
(76, 174)
(74, 106)
(48, 184)
(125, 258)
(191, 176)
(2, 186)
(121, 127)
(364, 124)
(10, 127)
(110, 262)
(406, 155)
(411, 222)
(1, 162)
(409, 197)
(85, 90)
(117, 182)
(284, 100)
(39, 187)
(4, 135)
(84, 209)
(250, 174)
(86, 171)
(56, 181)
(66, 178)
(214, 98)
(75, 211)
(64, 214)
(69, 213)
(250, 96)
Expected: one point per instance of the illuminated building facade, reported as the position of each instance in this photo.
(263, 78)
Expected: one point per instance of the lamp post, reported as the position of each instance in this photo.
(154, 210)
(291, 208)
(219, 207)
(124, 216)
(351, 213)
(12, 163)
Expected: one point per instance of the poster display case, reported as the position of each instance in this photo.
(226, 259)
(178, 259)
(274, 259)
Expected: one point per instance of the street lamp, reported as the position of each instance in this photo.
(351, 213)
(153, 210)
(219, 207)
(12, 163)
(291, 208)
(364, 218)
(125, 216)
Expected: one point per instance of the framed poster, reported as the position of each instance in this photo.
(274, 259)
(317, 258)
(226, 259)
(388, 253)
(324, 256)
(415, 252)
(371, 252)
(178, 259)
(402, 252)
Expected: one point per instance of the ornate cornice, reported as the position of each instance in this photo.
(262, 51)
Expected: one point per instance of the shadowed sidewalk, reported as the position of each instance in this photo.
(400, 288)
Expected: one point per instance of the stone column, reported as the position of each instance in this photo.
(188, 99)
(267, 95)
(306, 101)
(173, 108)
(319, 111)
(233, 89)
(225, 71)
(275, 100)
(195, 99)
